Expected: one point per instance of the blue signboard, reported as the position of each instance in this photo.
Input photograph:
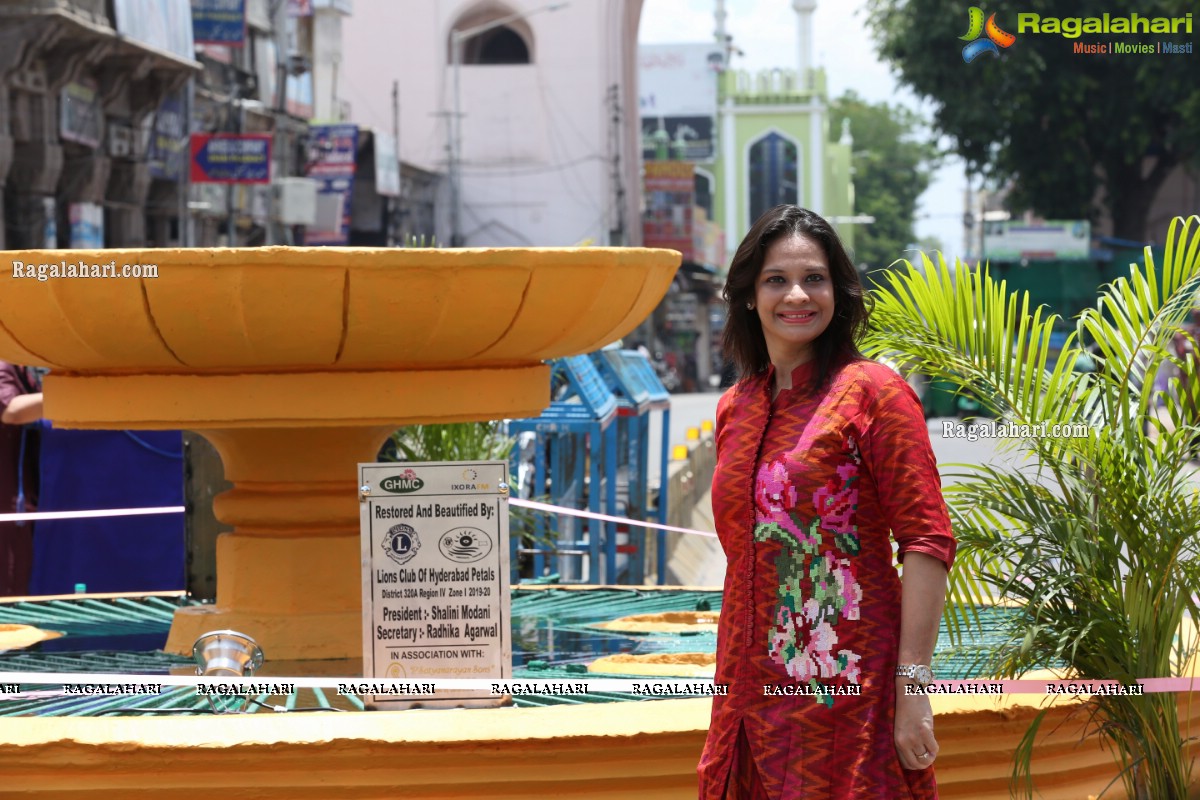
(231, 158)
(167, 140)
(219, 22)
(333, 150)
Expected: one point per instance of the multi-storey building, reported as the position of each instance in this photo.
(528, 108)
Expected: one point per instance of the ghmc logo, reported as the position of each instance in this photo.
(403, 483)
(996, 38)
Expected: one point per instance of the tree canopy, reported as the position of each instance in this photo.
(1073, 132)
(893, 165)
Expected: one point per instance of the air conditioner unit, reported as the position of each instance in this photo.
(295, 200)
(120, 141)
(208, 199)
(298, 64)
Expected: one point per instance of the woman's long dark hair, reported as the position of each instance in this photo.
(743, 341)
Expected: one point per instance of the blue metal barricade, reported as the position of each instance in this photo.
(575, 437)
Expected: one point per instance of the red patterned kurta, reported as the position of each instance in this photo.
(806, 490)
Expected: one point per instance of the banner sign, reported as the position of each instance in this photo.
(677, 86)
(387, 165)
(670, 194)
(231, 158)
(1052, 240)
(167, 140)
(80, 114)
(219, 22)
(332, 150)
(87, 226)
(436, 603)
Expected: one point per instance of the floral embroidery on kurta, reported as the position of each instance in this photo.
(817, 584)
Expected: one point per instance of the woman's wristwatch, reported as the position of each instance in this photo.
(920, 673)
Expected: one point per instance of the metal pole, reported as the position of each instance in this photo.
(982, 221)
(335, 110)
(185, 160)
(232, 122)
(279, 135)
(455, 144)
(394, 202)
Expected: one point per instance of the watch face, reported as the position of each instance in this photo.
(923, 674)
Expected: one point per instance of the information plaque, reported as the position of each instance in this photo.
(435, 572)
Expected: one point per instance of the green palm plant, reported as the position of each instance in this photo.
(468, 441)
(1093, 539)
(455, 441)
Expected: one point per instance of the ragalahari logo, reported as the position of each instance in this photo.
(996, 38)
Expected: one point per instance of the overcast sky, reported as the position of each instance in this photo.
(765, 31)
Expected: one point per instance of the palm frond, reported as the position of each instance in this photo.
(1098, 545)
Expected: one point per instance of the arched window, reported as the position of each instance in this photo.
(774, 174)
(507, 43)
(500, 45)
(704, 192)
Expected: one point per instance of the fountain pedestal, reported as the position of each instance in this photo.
(288, 574)
(297, 364)
(289, 569)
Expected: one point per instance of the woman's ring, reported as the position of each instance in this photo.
(924, 755)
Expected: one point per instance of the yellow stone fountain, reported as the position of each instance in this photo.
(297, 363)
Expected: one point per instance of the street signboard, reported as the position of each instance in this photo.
(81, 113)
(387, 165)
(435, 561)
(231, 158)
(219, 22)
(670, 192)
(167, 140)
(1051, 240)
(334, 151)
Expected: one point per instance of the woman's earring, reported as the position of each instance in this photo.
(749, 306)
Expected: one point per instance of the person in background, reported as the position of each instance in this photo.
(823, 458)
(20, 408)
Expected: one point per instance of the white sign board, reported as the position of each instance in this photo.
(387, 166)
(435, 578)
(1059, 240)
(677, 88)
(678, 80)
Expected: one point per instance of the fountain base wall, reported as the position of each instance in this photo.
(599, 751)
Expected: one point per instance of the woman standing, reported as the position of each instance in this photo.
(820, 454)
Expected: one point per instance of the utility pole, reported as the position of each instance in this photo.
(184, 163)
(456, 239)
(395, 203)
(230, 209)
(335, 107)
(616, 236)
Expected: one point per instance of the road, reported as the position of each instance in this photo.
(689, 410)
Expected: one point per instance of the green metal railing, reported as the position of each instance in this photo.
(553, 633)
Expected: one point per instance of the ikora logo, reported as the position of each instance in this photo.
(995, 40)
